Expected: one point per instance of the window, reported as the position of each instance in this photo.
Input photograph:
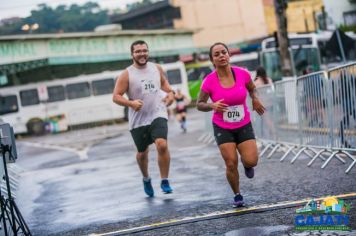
(55, 93)
(8, 104)
(105, 86)
(271, 62)
(198, 73)
(249, 64)
(174, 76)
(78, 90)
(29, 97)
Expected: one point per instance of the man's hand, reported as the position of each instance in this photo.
(169, 99)
(257, 106)
(136, 104)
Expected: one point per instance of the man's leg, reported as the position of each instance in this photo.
(159, 130)
(163, 163)
(142, 161)
(163, 157)
(139, 136)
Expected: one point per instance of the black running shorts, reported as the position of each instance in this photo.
(237, 136)
(145, 135)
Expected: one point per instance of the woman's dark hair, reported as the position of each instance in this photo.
(211, 49)
(137, 42)
(261, 72)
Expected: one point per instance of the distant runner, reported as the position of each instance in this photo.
(181, 109)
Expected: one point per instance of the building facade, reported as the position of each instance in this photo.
(228, 21)
(300, 14)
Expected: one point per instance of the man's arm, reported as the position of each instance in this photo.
(121, 87)
(165, 86)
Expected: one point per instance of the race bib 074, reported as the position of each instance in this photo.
(234, 113)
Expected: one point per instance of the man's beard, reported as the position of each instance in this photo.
(139, 63)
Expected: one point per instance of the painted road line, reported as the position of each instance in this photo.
(224, 214)
(82, 153)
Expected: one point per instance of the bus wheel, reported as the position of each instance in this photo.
(35, 126)
(126, 114)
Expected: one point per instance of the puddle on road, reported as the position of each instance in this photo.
(261, 231)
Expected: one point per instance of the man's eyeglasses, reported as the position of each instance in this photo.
(144, 51)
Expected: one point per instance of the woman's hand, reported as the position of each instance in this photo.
(219, 106)
(257, 106)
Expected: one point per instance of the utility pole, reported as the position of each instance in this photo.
(282, 33)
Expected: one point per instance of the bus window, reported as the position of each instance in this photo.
(271, 63)
(29, 97)
(78, 90)
(174, 77)
(251, 65)
(306, 60)
(8, 104)
(100, 87)
(55, 93)
(198, 73)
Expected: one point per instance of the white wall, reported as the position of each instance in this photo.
(336, 8)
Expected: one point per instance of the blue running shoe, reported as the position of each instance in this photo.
(238, 201)
(148, 188)
(165, 186)
(249, 172)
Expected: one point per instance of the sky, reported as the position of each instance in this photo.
(22, 8)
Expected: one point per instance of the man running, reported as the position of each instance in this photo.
(143, 82)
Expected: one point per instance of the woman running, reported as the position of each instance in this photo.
(227, 87)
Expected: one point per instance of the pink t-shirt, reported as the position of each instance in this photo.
(234, 96)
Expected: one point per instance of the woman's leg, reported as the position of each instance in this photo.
(229, 154)
(249, 153)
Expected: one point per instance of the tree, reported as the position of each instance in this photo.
(73, 18)
(282, 34)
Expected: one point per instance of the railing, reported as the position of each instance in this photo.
(313, 115)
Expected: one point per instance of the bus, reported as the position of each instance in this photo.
(304, 53)
(54, 106)
(197, 71)
(308, 54)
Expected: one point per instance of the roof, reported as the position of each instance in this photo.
(95, 34)
(141, 11)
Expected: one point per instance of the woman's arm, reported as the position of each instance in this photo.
(256, 104)
(203, 105)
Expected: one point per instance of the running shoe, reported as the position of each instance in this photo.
(249, 172)
(238, 201)
(165, 186)
(148, 188)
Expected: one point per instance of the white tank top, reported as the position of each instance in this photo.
(145, 84)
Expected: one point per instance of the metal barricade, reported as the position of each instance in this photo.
(342, 105)
(313, 125)
(264, 126)
(286, 117)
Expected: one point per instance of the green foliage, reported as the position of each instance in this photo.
(142, 3)
(348, 28)
(73, 18)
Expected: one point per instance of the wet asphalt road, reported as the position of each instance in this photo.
(84, 182)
